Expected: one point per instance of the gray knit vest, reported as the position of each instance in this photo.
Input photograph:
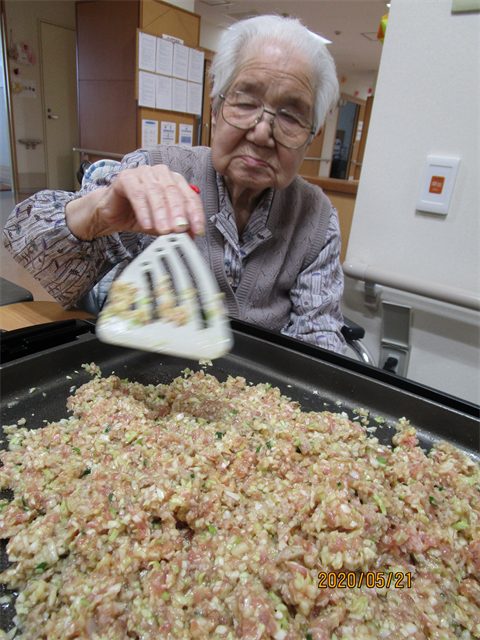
(297, 226)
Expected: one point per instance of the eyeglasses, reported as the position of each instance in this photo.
(243, 111)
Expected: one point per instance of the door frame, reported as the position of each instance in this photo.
(353, 147)
(8, 99)
(363, 140)
(206, 118)
(353, 160)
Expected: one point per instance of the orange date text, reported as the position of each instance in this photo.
(344, 580)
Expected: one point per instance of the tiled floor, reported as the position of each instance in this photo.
(9, 269)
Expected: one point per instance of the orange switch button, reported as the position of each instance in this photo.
(436, 185)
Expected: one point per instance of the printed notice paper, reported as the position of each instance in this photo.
(180, 61)
(179, 98)
(146, 51)
(195, 65)
(186, 134)
(149, 133)
(163, 98)
(168, 132)
(146, 89)
(164, 57)
(194, 98)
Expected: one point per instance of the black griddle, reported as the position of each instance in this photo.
(36, 387)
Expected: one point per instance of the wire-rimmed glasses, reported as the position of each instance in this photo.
(244, 111)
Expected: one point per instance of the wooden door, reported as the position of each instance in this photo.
(311, 163)
(59, 83)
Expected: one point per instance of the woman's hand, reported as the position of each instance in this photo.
(147, 199)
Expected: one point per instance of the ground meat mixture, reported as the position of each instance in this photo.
(219, 511)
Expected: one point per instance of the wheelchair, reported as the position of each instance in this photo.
(354, 334)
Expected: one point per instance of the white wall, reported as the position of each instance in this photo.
(210, 35)
(426, 102)
(359, 85)
(188, 5)
(22, 17)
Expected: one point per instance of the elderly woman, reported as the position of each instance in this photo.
(271, 239)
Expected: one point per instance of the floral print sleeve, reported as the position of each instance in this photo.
(316, 296)
(37, 235)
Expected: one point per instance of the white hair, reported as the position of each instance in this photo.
(289, 32)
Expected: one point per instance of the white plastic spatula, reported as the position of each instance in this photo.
(167, 301)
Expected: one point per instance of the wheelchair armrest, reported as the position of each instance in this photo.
(351, 330)
(81, 170)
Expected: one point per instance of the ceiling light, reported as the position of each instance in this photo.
(324, 40)
(216, 3)
(243, 15)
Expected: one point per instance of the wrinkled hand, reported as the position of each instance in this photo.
(147, 199)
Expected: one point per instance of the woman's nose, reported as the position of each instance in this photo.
(262, 132)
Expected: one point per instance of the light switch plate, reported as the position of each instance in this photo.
(437, 184)
(461, 6)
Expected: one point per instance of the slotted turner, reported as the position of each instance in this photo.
(167, 301)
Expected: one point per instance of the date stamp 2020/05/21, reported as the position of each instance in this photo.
(344, 580)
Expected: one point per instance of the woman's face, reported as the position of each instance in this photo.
(252, 160)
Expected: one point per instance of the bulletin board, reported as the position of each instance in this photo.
(159, 19)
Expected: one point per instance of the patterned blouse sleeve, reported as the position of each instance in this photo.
(316, 316)
(37, 235)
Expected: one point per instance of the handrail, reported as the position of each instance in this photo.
(119, 155)
(418, 286)
(106, 154)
